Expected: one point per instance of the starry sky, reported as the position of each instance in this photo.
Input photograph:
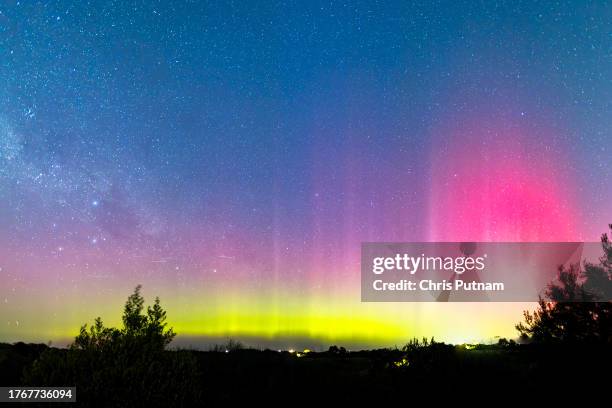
(231, 157)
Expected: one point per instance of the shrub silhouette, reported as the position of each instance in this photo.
(426, 356)
(578, 308)
(336, 350)
(123, 367)
(231, 345)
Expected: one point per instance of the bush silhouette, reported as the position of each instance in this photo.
(123, 367)
(426, 355)
(578, 308)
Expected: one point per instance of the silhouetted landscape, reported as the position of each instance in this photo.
(567, 339)
(239, 203)
(205, 378)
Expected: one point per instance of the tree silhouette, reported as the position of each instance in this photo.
(123, 367)
(578, 308)
(133, 319)
(138, 329)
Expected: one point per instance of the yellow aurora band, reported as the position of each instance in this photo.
(204, 316)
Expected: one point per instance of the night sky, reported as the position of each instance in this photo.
(231, 157)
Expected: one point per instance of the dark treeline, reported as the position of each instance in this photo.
(243, 376)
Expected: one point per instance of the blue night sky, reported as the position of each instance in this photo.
(231, 156)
